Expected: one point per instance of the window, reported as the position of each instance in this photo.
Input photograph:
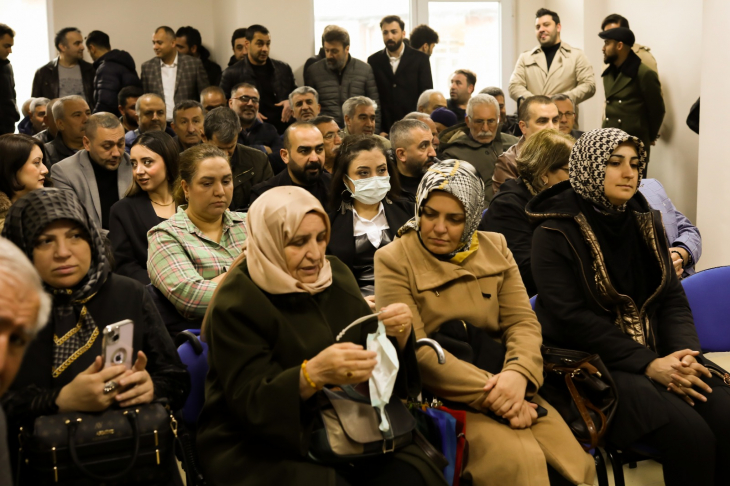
(360, 19)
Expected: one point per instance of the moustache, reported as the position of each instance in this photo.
(485, 134)
(313, 166)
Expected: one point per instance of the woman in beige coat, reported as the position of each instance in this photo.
(444, 270)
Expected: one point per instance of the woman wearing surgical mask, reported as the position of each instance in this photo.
(366, 212)
(271, 330)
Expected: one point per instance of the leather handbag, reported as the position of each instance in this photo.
(115, 447)
(582, 390)
(350, 427)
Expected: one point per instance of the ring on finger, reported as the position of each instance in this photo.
(110, 386)
(349, 374)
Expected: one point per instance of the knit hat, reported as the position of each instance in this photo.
(588, 161)
(444, 116)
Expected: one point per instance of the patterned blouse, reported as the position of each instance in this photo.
(182, 261)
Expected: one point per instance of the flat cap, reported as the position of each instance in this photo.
(620, 34)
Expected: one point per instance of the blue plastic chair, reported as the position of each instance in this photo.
(533, 299)
(708, 293)
(194, 354)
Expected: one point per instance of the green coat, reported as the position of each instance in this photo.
(482, 156)
(634, 100)
(254, 429)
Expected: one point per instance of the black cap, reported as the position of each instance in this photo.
(620, 34)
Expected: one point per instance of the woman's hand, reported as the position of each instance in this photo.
(342, 364)
(138, 384)
(398, 320)
(525, 416)
(688, 375)
(506, 393)
(85, 393)
(370, 299)
(662, 370)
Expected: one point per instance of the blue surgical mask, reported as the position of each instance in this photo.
(371, 190)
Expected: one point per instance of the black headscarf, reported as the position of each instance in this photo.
(74, 329)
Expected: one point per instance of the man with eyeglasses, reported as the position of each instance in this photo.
(479, 142)
(536, 113)
(566, 115)
(255, 133)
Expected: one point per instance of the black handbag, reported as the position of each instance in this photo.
(115, 447)
(583, 392)
(350, 427)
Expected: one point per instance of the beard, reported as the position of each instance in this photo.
(306, 174)
(609, 59)
(335, 65)
(550, 41)
(393, 46)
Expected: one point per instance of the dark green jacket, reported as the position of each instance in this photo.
(634, 100)
(482, 156)
(254, 428)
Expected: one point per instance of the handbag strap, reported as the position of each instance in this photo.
(583, 405)
(73, 425)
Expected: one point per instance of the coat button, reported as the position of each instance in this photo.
(394, 85)
(606, 118)
(619, 120)
(608, 102)
(619, 101)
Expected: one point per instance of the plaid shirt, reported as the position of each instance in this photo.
(182, 260)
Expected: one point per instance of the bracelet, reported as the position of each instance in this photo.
(684, 264)
(306, 377)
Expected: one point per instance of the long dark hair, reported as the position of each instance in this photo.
(351, 146)
(15, 150)
(163, 145)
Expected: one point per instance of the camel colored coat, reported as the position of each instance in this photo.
(485, 290)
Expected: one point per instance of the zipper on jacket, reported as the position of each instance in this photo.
(664, 277)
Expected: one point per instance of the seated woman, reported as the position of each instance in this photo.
(270, 331)
(445, 270)
(53, 229)
(366, 211)
(542, 163)
(606, 285)
(191, 252)
(148, 202)
(21, 169)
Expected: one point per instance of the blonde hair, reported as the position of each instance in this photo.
(545, 151)
(190, 159)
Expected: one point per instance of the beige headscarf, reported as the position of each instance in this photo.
(272, 221)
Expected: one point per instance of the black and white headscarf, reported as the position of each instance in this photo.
(461, 180)
(588, 161)
(74, 329)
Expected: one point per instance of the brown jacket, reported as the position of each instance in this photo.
(506, 166)
(4, 208)
(485, 290)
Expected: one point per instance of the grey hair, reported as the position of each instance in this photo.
(38, 102)
(58, 109)
(417, 115)
(400, 132)
(349, 106)
(493, 91)
(303, 90)
(481, 99)
(223, 123)
(562, 97)
(139, 101)
(425, 96)
(16, 267)
(101, 120)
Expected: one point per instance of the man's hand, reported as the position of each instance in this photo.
(677, 260)
(285, 111)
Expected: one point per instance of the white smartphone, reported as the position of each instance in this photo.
(117, 347)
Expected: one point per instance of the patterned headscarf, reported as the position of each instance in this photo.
(588, 161)
(461, 180)
(74, 328)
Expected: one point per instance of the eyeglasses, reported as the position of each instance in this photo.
(568, 115)
(491, 122)
(246, 99)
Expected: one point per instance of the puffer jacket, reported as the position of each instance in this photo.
(114, 71)
(357, 79)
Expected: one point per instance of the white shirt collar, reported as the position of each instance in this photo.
(398, 54)
(173, 65)
(373, 228)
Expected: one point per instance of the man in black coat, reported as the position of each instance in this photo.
(8, 108)
(68, 74)
(273, 79)
(115, 70)
(401, 73)
(188, 41)
(238, 44)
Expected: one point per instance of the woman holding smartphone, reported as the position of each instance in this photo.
(63, 369)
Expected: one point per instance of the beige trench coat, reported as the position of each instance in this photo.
(485, 290)
(570, 73)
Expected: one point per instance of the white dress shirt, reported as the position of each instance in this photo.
(373, 228)
(169, 77)
(395, 57)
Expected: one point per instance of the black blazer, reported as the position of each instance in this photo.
(342, 240)
(129, 221)
(399, 92)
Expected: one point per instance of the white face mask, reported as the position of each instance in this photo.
(385, 372)
(371, 190)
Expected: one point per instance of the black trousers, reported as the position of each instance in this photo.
(382, 471)
(695, 444)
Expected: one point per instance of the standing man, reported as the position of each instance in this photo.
(115, 70)
(238, 44)
(340, 76)
(634, 100)
(127, 105)
(187, 123)
(414, 153)
(273, 79)
(462, 86)
(9, 114)
(430, 100)
(304, 102)
(189, 42)
(552, 67)
(401, 73)
(68, 74)
(424, 39)
(175, 78)
(566, 115)
(332, 141)
(615, 20)
(71, 114)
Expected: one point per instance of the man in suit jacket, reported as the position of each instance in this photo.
(101, 173)
(401, 73)
(68, 74)
(174, 77)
